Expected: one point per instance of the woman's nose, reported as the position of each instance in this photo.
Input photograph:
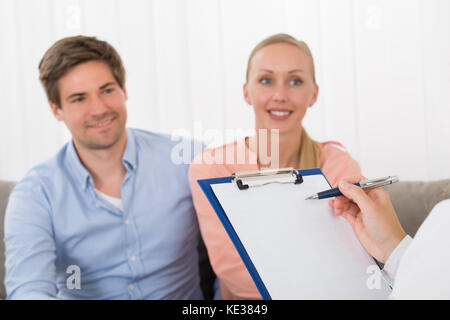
(280, 94)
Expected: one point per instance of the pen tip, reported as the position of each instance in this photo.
(309, 198)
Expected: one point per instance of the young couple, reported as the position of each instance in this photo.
(112, 203)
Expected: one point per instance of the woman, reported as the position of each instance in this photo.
(280, 86)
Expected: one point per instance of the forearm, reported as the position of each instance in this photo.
(37, 290)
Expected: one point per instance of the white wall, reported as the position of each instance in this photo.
(383, 68)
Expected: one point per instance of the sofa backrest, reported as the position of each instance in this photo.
(413, 200)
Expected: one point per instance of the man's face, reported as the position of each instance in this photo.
(92, 105)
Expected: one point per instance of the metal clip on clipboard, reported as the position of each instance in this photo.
(250, 179)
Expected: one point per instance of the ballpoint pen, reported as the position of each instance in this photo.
(368, 184)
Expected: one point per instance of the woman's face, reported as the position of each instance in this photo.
(280, 87)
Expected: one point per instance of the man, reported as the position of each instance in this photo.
(109, 216)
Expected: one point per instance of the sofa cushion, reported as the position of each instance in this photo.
(413, 200)
(5, 189)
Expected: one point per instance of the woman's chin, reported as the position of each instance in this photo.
(282, 129)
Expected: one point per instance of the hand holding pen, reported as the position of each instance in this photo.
(365, 184)
(372, 216)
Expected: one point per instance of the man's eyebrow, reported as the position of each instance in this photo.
(77, 94)
(80, 94)
(106, 84)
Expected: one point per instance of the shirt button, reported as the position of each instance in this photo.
(131, 286)
(133, 258)
(97, 205)
(134, 167)
(127, 221)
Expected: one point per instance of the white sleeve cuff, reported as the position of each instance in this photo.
(390, 267)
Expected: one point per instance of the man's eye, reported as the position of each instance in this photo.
(264, 81)
(78, 100)
(109, 90)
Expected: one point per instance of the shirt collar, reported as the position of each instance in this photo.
(83, 176)
(130, 156)
(76, 167)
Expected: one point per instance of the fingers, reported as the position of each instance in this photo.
(350, 218)
(356, 194)
(352, 179)
(331, 203)
(342, 205)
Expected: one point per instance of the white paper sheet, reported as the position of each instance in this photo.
(299, 248)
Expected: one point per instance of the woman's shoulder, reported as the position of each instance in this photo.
(336, 162)
(220, 161)
(333, 147)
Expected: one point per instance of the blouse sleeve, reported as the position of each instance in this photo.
(235, 281)
(337, 163)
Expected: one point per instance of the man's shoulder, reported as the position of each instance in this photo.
(150, 136)
(44, 173)
(166, 145)
(154, 140)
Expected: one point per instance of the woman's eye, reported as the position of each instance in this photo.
(264, 81)
(296, 82)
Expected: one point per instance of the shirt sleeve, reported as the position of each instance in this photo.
(30, 251)
(391, 266)
(423, 272)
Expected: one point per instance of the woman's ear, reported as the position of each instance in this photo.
(315, 95)
(247, 99)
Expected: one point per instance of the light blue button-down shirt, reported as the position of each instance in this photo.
(55, 220)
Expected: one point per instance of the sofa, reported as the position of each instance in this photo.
(5, 189)
(412, 200)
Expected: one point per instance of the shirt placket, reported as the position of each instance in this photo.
(132, 237)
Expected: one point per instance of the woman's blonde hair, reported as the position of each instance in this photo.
(309, 149)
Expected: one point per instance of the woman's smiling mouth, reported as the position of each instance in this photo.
(279, 114)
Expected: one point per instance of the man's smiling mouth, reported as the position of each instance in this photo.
(102, 124)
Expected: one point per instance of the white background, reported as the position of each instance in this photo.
(383, 68)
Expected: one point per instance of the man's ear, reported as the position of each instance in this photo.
(57, 112)
(247, 99)
(125, 92)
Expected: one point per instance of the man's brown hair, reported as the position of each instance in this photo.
(70, 52)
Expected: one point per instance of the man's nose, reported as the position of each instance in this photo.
(98, 106)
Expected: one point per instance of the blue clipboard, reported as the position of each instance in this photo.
(205, 184)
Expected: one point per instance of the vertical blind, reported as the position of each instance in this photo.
(383, 69)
